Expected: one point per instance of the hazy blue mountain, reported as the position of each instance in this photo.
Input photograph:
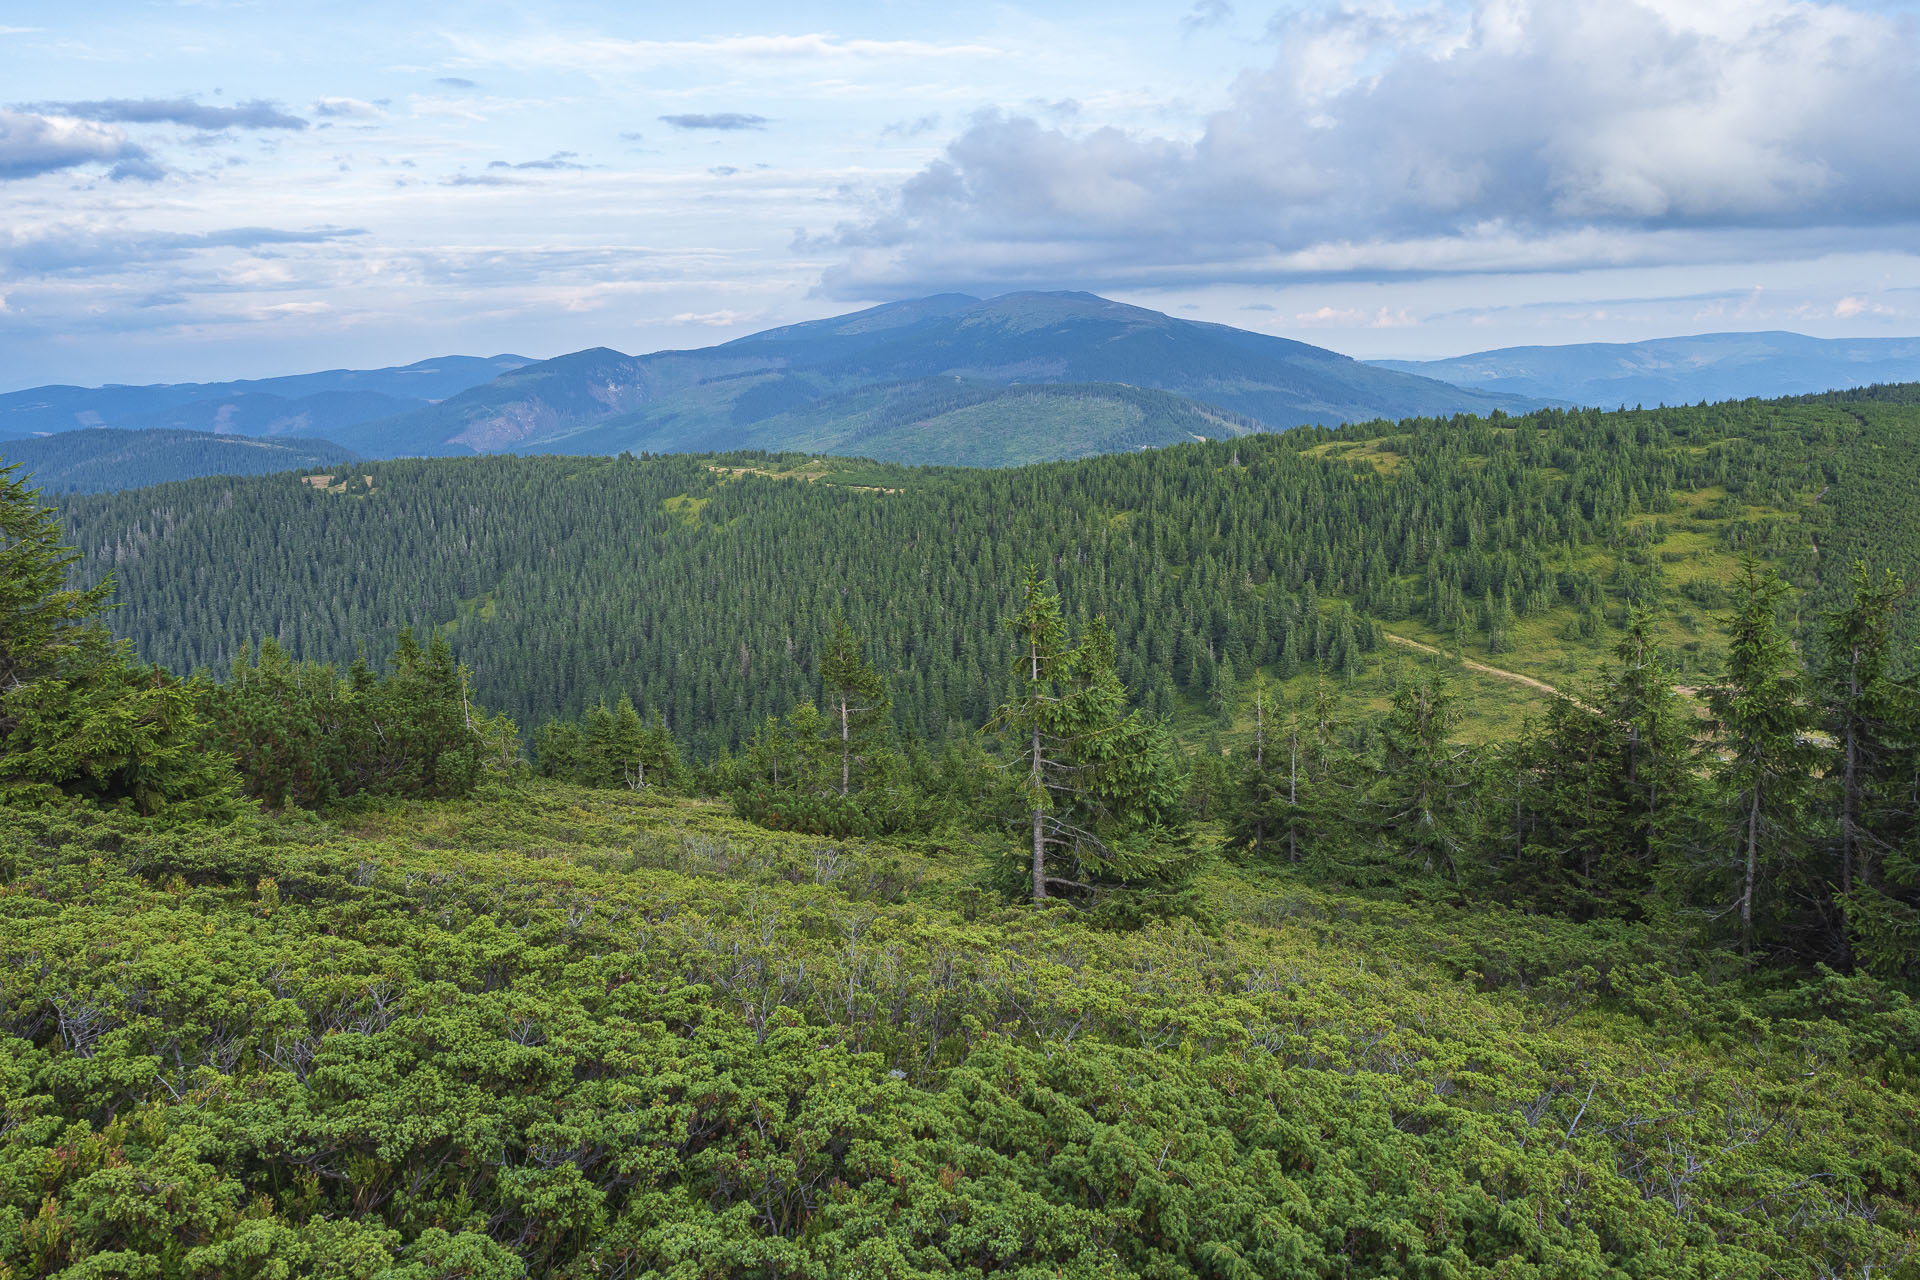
(304, 403)
(853, 383)
(956, 422)
(1707, 366)
(101, 459)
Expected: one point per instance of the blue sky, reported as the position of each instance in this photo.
(194, 191)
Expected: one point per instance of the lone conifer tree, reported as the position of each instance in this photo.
(1100, 788)
(856, 697)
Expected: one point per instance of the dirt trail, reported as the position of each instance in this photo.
(1407, 642)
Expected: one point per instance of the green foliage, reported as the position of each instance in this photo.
(612, 749)
(1600, 794)
(1761, 763)
(567, 582)
(101, 459)
(587, 1032)
(300, 733)
(1100, 792)
(1872, 780)
(79, 716)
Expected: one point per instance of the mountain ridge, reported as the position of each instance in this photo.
(745, 393)
(293, 402)
(1684, 369)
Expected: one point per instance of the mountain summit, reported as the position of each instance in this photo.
(949, 378)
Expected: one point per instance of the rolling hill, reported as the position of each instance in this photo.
(103, 459)
(1707, 366)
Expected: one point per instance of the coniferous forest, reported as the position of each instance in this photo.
(1471, 847)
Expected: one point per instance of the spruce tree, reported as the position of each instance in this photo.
(1869, 718)
(1423, 797)
(1761, 764)
(78, 713)
(1099, 785)
(855, 697)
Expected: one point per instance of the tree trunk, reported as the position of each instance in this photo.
(846, 748)
(1752, 874)
(1039, 855)
(1850, 812)
(1293, 795)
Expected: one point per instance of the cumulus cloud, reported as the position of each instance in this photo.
(1520, 134)
(724, 120)
(32, 144)
(456, 82)
(256, 114)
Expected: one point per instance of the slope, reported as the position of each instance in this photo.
(102, 459)
(560, 1032)
(306, 402)
(951, 421)
(699, 584)
(777, 389)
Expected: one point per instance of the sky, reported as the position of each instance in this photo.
(196, 190)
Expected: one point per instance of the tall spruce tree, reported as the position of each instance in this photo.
(1423, 799)
(1869, 777)
(855, 697)
(1761, 764)
(78, 713)
(1099, 785)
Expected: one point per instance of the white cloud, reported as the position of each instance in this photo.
(32, 144)
(1385, 138)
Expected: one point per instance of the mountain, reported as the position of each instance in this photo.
(299, 404)
(102, 459)
(886, 382)
(1706, 366)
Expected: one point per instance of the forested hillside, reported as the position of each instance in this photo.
(698, 585)
(103, 459)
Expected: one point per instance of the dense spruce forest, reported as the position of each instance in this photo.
(1428, 849)
(699, 586)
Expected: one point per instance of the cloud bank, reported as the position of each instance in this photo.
(1384, 139)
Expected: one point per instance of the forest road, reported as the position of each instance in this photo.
(1406, 642)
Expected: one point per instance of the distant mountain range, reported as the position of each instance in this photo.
(946, 379)
(1707, 366)
(1024, 377)
(102, 459)
(304, 404)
